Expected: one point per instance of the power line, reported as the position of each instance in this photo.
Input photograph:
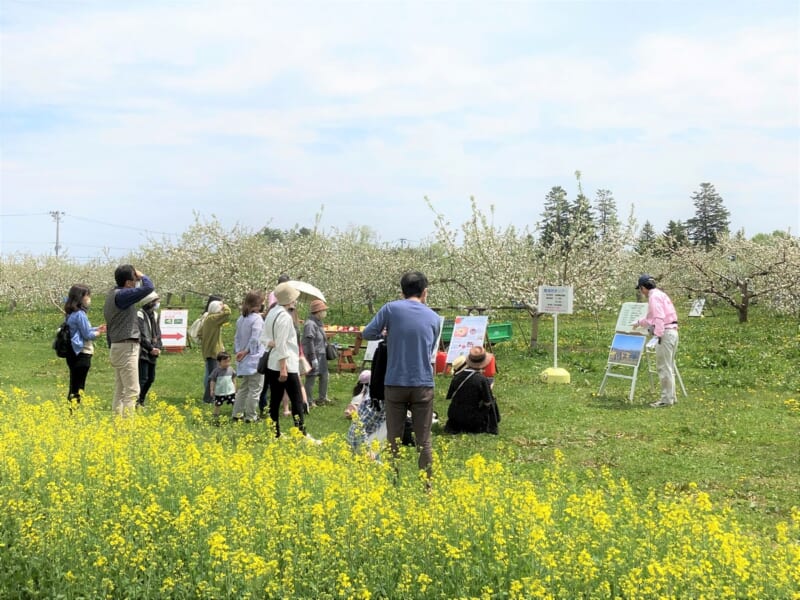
(25, 215)
(120, 226)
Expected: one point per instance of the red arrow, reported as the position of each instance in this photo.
(172, 336)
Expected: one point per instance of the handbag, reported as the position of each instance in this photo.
(304, 367)
(331, 351)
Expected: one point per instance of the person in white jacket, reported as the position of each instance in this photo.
(280, 337)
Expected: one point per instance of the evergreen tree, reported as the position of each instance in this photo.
(606, 209)
(711, 221)
(555, 221)
(646, 243)
(674, 237)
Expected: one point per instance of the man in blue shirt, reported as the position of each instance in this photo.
(411, 330)
(122, 330)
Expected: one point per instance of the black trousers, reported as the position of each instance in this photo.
(276, 389)
(147, 375)
(79, 365)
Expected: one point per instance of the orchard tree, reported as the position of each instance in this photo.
(711, 221)
(742, 272)
(28, 281)
(489, 265)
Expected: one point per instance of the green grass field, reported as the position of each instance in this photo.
(735, 438)
(737, 434)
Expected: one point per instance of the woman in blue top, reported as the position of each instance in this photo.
(248, 350)
(82, 335)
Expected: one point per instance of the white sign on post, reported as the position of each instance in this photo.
(173, 327)
(554, 299)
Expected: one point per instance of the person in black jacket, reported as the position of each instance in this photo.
(150, 345)
(473, 408)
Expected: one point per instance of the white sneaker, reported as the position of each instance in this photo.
(313, 440)
(661, 404)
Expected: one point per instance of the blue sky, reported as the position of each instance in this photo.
(131, 116)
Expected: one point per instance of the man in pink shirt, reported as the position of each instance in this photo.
(662, 322)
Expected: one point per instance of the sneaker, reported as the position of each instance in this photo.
(661, 404)
(313, 440)
(253, 420)
(322, 402)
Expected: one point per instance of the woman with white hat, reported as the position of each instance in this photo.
(150, 345)
(283, 366)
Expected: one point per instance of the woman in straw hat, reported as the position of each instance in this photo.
(473, 408)
(314, 340)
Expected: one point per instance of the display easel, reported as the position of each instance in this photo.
(627, 346)
(650, 350)
(626, 353)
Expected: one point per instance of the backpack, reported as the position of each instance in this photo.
(196, 329)
(63, 342)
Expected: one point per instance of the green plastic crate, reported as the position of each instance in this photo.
(499, 332)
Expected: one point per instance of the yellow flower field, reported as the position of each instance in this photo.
(157, 506)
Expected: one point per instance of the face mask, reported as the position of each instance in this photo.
(156, 305)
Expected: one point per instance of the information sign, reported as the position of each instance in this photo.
(626, 349)
(697, 307)
(173, 327)
(467, 332)
(629, 314)
(554, 299)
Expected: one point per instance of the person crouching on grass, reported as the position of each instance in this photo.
(222, 383)
(473, 408)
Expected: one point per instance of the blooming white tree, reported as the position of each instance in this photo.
(741, 272)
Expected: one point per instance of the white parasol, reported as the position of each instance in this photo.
(307, 291)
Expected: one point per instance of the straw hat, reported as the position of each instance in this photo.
(318, 306)
(286, 294)
(478, 358)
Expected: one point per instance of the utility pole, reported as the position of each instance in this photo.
(57, 214)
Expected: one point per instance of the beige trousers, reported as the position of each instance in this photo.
(124, 358)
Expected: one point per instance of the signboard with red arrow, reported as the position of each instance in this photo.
(173, 328)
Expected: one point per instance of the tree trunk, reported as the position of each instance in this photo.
(745, 303)
(535, 317)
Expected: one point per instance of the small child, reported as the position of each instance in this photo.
(367, 415)
(360, 391)
(222, 382)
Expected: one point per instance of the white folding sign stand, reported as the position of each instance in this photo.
(650, 350)
(626, 352)
(627, 346)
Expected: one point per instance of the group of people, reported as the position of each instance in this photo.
(409, 328)
(273, 330)
(133, 335)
